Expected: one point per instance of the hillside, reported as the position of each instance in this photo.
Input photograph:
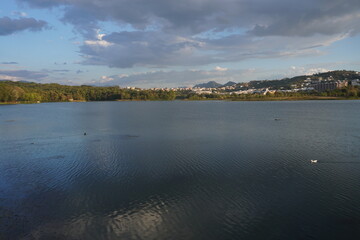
(211, 84)
(287, 82)
(229, 84)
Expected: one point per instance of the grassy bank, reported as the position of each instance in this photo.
(303, 98)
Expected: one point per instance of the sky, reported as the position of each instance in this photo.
(168, 43)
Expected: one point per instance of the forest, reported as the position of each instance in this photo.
(28, 92)
(36, 92)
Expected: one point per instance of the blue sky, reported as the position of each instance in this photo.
(164, 43)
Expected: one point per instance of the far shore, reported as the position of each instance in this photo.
(303, 98)
(247, 99)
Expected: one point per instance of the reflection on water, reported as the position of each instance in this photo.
(180, 170)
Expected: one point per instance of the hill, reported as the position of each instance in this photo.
(287, 82)
(228, 84)
(211, 84)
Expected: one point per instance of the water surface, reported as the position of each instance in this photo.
(180, 170)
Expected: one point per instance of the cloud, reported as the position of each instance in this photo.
(220, 69)
(310, 27)
(164, 33)
(43, 3)
(105, 79)
(295, 71)
(128, 49)
(171, 78)
(9, 26)
(151, 49)
(99, 42)
(276, 17)
(190, 78)
(57, 70)
(9, 63)
(18, 75)
(9, 78)
(17, 13)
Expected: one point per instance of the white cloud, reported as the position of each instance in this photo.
(305, 70)
(122, 75)
(105, 79)
(312, 71)
(10, 78)
(220, 69)
(17, 13)
(99, 41)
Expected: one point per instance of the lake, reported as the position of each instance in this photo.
(180, 170)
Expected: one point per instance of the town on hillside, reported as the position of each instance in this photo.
(315, 83)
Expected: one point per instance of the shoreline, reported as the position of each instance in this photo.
(310, 98)
(255, 99)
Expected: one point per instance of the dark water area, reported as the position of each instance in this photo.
(180, 170)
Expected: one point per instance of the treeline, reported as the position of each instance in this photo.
(33, 92)
(350, 92)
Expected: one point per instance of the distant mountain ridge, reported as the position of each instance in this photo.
(211, 84)
(285, 82)
(229, 84)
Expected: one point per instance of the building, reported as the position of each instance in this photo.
(322, 86)
(355, 82)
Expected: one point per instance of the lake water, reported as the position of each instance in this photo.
(180, 170)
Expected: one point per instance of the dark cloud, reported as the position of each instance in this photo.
(170, 33)
(9, 26)
(43, 3)
(306, 26)
(10, 63)
(59, 70)
(126, 49)
(22, 75)
(189, 17)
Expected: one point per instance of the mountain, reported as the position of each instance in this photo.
(211, 84)
(228, 84)
(287, 82)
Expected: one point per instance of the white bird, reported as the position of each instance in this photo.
(313, 161)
